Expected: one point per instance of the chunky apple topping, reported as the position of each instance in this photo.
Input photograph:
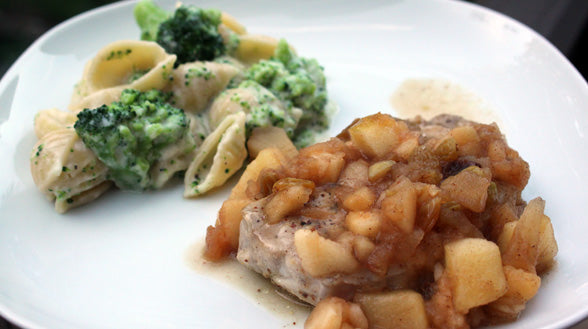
(392, 224)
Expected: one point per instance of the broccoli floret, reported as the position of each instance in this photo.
(304, 84)
(130, 135)
(267, 111)
(149, 16)
(232, 43)
(192, 34)
(299, 82)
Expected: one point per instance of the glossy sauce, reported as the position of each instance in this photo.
(424, 97)
(430, 97)
(260, 289)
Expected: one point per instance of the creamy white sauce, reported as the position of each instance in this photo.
(430, 97)
(260, 289)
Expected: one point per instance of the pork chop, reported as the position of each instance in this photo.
(269, 248)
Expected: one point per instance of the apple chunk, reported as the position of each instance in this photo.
(396, 309)
(474, 267)
(336, 313)
(376, 135)
(320, 256)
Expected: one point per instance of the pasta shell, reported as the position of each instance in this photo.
(219, 157)
(199, 127)
(115, 65)
(232, 23)
(196, 84)
(97, 99)
(175, 157)
(52, 119)
(62, 205)
(140, 65)
(241, 99)
(259, 105)
(80, 88)
(63, 168)
(255, 47)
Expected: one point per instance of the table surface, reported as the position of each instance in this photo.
(562, 22)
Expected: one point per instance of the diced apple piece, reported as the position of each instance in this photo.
(523, 247)
(375, 135)
(320, 256)
(268, 158)
(362, 247)
(507, 165)
(464, 135)
(229, 217)
(327, 314)
(407, 147)
(380, 169)
(522, 286)
(361, 199)
(290, 195)
(469, 188)
(336, 313)
(223, 238)
(475, 270)
(505, 236)
(366, 223)
(321, 168)
(467, 140)
(429, 205)
(355, 317)
(355, 174)
(270, 137)
(547, 245)
(500, 215)
(446, 148)
(330, 168)
(400, 204)
(394, 310)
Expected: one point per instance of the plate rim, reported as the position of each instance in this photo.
(19, 320)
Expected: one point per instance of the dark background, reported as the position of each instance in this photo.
(562, 22)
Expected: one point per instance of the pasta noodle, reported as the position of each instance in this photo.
(221, 154)
(232, 23)
(195, 84)
(255, 47)
(219, 97)
(66, 171)
(52, 119)
(62, 205)
(105, 96)
(140, 65)
(252, 99)
(177, 157)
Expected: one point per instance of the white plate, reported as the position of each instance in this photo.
(120, 261)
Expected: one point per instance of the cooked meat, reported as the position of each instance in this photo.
(437, 126)
(411, 222)
(269, 248)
